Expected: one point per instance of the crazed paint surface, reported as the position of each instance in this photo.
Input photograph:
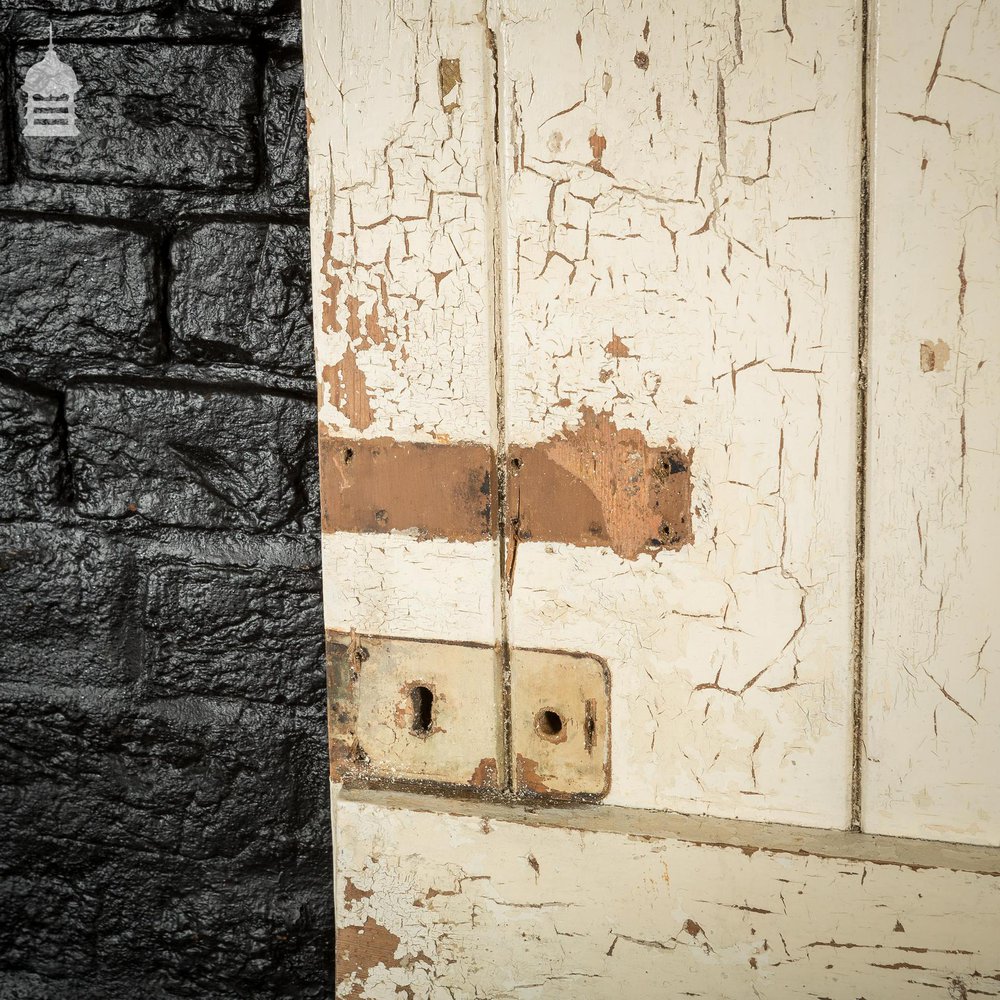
(583, 238)
(401, 239)
(680, 233)
(932, 664)
(620, 248)
(462, 905)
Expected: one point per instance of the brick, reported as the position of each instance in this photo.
(212, 935)
(89, 6)
(241, 293)
(285, 131)
(32, 931)
(192, 457)
(190, 778)
(67, 615)
(181, 116)
(245, 8)
(230, 631)
(30, 467)
(75, 295)
(5, 131)
(184, 843)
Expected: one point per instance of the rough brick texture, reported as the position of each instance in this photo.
(74, 295)
(234, 632)
(148, 838)
(155, 115)
(285, 130)
(241, 293)
(164, 817)
(30, 470)
(66, 615)
(191, 457)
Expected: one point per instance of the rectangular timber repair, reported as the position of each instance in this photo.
(658, 422)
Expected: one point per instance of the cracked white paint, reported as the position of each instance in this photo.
(932, 739)
(682, 190)
(402, 252)
(464, 906)
(670, 236)
(394, 584)
(397, 186)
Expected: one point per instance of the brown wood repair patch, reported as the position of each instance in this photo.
(595, 484)
(433, 490)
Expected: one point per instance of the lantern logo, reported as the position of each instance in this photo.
(51, 86)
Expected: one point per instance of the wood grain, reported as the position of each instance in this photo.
(932, 734)
(681, 230)
(498, 906)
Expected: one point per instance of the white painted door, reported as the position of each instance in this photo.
(658, 349)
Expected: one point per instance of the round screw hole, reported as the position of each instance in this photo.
(422, 699)
(549, 725)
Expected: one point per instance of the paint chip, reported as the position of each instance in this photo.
(934, 355)
(449, 77)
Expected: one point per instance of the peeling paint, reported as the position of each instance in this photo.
(520, 233)
(596, 484)
(934, 355)
(449, 77)
(349, 390)
(579, 914)
(362, 949)
(932, 720)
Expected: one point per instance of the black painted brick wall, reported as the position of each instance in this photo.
(163, 806)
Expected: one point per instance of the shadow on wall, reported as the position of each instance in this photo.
(164, 822)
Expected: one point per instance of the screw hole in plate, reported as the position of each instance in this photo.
(549, 725)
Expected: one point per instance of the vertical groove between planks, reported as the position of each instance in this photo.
(498, 318)
(868, 14)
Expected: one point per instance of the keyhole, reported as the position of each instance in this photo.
(422, 699)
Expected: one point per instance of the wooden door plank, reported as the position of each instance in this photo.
(932, 737)
(440, 905)
(402, 257)
(681, 222)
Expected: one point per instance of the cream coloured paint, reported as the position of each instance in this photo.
(660, 218)
(932, 663)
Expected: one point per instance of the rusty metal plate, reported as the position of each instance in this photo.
(410, 710)
(561, 730)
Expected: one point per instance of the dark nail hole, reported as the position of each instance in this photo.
(348, 455)
(422, 699)
(515, 463)
(548, 723)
